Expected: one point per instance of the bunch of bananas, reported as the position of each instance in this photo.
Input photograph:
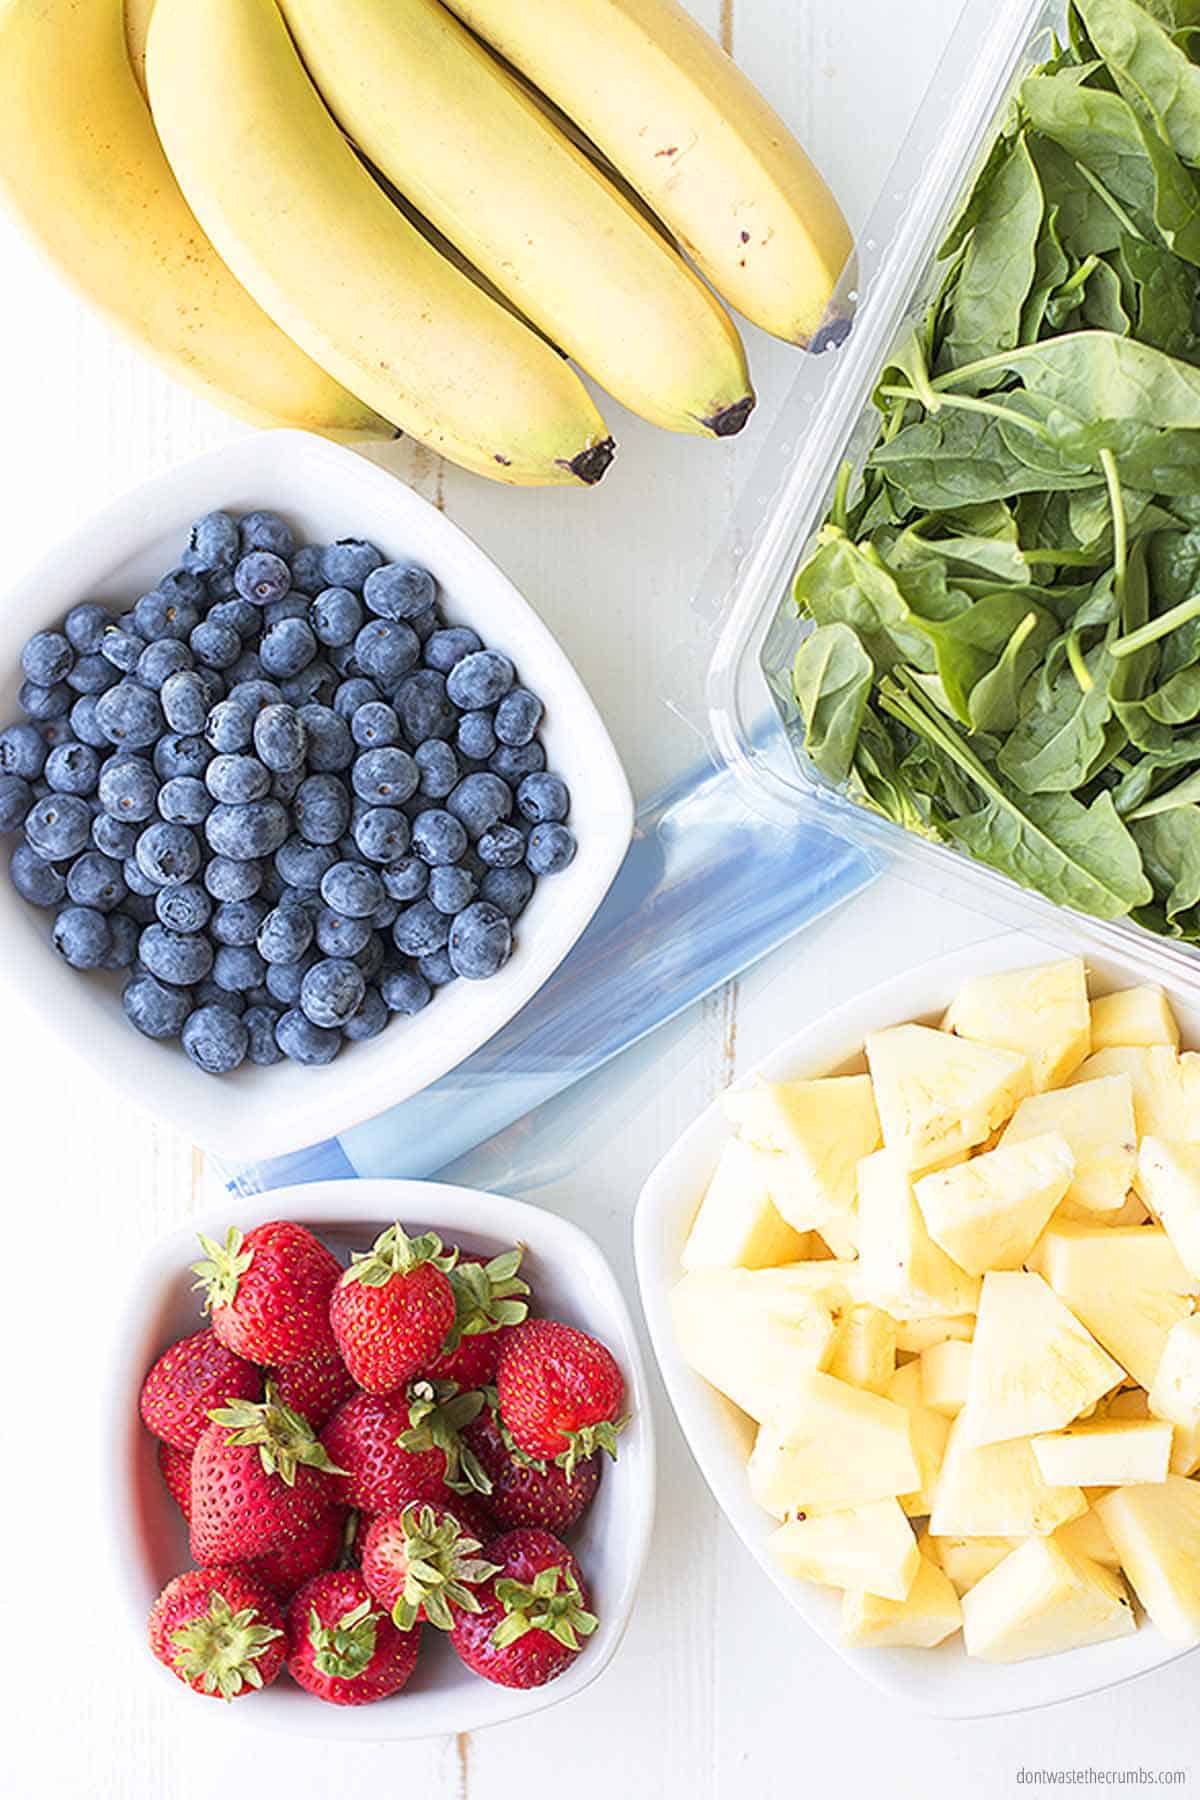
(370, 216)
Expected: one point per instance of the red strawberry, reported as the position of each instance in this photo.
(316, 1547)
(363, 1437)
(423, 1565)
(268, 1292)
(525, 1491)
(175, 1467)
(392, 1308)
(219, 1631)
(316, 1387)
(487, 1303)
(343, 1648)
(532, 1614)
(560, 1393)
(259, 1478)
(187, 1381)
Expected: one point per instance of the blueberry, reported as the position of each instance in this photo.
(284, 935)
(214, 543)
(508, 889)
(230, 725)
(353, 694)
(271, 886)
(439, 769)
(215, 646)
(260, 1023)
(331, 992)
(284, 980)
(476, 736)
(375, 726)
(44, 702)
(139, 907)
(248, 667)
(238, 967)
(370, 959)
(248, 831)
(406, 879)
(385, 916)
(95, 880)
(130, 715)
(405, 991)
(236, 779)
(122, 649)
(55, 732)
(292, 606)
(264, 530)
(446, 648)
(421, 929)
(306, 570)
(330, 746)
(73, 768)
(336, 616)
(280, 738)
(352, 889)
(34, 879)
(303, 864)
(215, 1039)
(16, 798)
(184, 906)
(438, 837)
(480, 941)
(424, 708)
(551, 847)
(262, 577)
(437, 969)
(344, 661)
(163, 658)
(85, 625)
(136, 880)
(480, 680)
(305, 1042)
(339, 935)
(123, 937)
(237, 922)
(239, 615)
(369, 1018)
(179, 957)
(480, 801)
(23, 751)
(399, 590)
(385, 777)
(168, 853)
(451, 887)
(322, 809)
(255, 695)
(85, 726)
(348, 563)
(165, 614)
(184, 800)
(386, 650)
(92, 675)
(181, 753)
(128, 788)
(517, 717)
(543, 799)
(58, 826)
(115, 837)
(156, 1010)
(287, 647)
(47, 658)
(314, 686)
(503, 847)
(382, 834)
(511, 762)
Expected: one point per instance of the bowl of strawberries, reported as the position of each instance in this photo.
(383, 1445)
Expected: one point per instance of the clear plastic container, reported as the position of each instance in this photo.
(752, 721)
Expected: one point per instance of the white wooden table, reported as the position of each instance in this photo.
(718, 1692)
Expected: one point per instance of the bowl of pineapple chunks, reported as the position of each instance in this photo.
(925, 1292)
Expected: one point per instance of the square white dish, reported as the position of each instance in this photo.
(944, 1682)
(570, 1279)
(325, 492)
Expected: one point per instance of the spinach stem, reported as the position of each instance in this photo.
(964, 403)
(841, 494)
(1112, 204)
(1153, 629)
(1079, 668)
(1112, 481)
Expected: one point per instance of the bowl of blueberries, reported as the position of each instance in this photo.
(299, 799)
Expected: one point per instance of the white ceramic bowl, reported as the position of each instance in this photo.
(325, 492)
(945, 1681)
(571, 1281)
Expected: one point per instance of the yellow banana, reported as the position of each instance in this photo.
(693, 136)
(137, 28)
(323, 250)
(479, 159)
(83, 170)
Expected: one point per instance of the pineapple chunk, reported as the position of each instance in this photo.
(944, 1372)
(1096, 1118)
(1133, 1212)
(989, 1213)
(1140, 1015)
(864, 1351)
(1175, 1394)
(915, 1335)
(938, 1095)
(929, 1433)
(967, 1560)
(1126, 1284)
(1105, 1453)
(831, 1447)
(1034, 1368)
(817, 1132)
(1043, 1599)
(996, 1490)
(1156, 1532)
(738, 1225)
(869, 1547)
(1041, 1013)
(1169, 1180)
(903, 1270)
(753, 1332)
(929, 1615)
(1185, 1450)
(1086, 1536)
(1157, 1080)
